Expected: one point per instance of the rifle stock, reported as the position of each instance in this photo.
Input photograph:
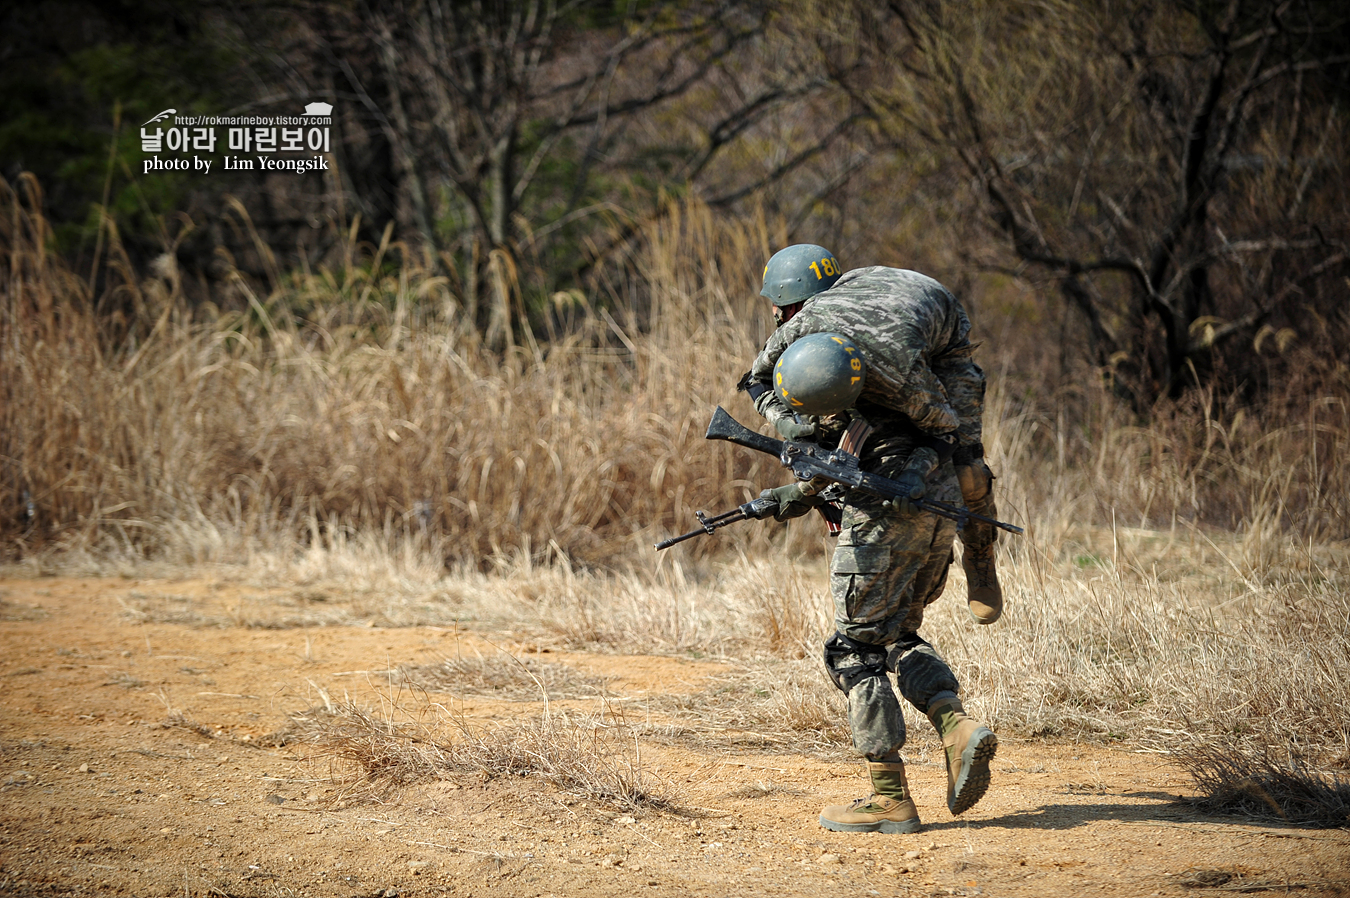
(725, 427)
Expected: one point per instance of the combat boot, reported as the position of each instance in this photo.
(969, 747)
(984, 597)
(889, 809)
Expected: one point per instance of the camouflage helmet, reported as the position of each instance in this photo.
(798, 273)
(820, 374)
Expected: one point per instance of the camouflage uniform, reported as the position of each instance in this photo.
(921, 383)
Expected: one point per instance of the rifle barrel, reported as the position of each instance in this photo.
(709, 525)
(667, 543)
(955, 512)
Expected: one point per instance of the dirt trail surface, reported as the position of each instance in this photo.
(137, 758)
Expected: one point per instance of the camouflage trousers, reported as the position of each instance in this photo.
(886, 569)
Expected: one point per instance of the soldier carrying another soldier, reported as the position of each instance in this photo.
(914, 418)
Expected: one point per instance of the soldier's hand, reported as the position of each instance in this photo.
(794, 432)
(792, 501)
(765, 506)
(912, 487)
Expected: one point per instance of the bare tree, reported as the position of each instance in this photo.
(529, 137)
(1177, 169)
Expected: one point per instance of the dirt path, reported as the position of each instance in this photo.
(135, 759)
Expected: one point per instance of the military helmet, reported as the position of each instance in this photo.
(820, 374)
(799, 272)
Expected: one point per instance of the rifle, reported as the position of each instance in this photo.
(807, 461)
(762, 507)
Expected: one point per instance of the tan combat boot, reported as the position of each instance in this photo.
(970, 747)
(889, 809)
(984, 597)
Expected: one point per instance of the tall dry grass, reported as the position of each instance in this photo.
(201, 437)
(198, 435)
(1185, 575)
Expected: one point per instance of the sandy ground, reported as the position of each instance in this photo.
(135, 759)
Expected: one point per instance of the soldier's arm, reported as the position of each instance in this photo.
(950, 359)
(964, 384)
(758, 382)
(927, 402)
(765, 400)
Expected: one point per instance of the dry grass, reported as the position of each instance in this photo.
(502, 676)
(214, 436)
(1107, 650)
(1253, 783)
(591, 756)
(776, 706)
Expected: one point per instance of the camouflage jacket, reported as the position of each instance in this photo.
(915, 337)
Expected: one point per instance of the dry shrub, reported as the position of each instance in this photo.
(596, 757)
(782, 706)
(1251, 782)
(504, 676)
(1146, 643)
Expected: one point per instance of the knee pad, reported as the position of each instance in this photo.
(897, 650)
(920, 671)
(849, 662)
